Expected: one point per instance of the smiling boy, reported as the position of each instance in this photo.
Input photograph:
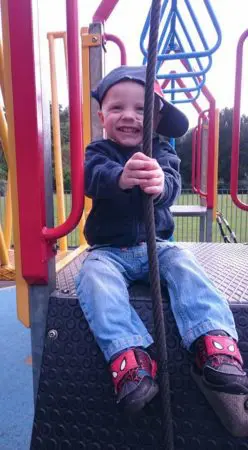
(116, 173)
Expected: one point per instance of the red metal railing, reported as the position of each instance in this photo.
(236, 125)
(201, 117)
(104, 10)
(211, 142)
(209, 194)
(76, 138)
(27, 134)
(120, 44)
(193, 166)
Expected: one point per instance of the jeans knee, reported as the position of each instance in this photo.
(182, 255)
(177, 256)
(98, 272)
(89, 272)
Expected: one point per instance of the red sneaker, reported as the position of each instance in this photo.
(219, 361)
(133, 373)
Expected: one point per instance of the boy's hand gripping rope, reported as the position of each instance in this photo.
(159, 324)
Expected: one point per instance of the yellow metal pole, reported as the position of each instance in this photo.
(2, 71)
(66, 55)
(7, 231)
(60, 196)
(8, 208)
(4, 133)
(216, 161)
(4, 256)
(21, 285)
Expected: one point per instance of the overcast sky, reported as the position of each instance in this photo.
(127, 22)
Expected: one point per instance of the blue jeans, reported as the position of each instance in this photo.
(102, 288)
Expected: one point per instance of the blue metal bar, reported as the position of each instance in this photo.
(165, 47)
(188, 100)
(171, 44)
(175, 34)
(188, 55)
(168, 39)
(186, 89)
(188, 37)
(215, 22)
(164, 30)
(196, 23)
(192, 71)
(146, 28)
(189, 74)
(184, 75)
(173, 24)
(178, 90)
(203, 53)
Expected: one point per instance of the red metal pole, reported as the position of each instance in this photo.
(211, 142)
(198, 160)
(104, 10)
(28, 138)
(188, 94)
(211, 147)
(166, 82)
(236, 125)
(193, 167)
(120, 44)
(198, 154)
(76, 138)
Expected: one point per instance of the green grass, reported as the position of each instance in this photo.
(186, 229)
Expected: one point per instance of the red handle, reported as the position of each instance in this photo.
(236, 125)
(104, 10)
(76, 138)
(119, 43)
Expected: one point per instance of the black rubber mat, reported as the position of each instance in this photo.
(76, 405)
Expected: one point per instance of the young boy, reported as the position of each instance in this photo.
(116, 174)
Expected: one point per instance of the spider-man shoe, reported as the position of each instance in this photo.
(219, 362)
(133, 373)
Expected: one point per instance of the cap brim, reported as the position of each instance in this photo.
(173, 123)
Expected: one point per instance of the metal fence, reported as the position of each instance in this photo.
(186, 228)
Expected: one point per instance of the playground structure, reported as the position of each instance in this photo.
(68, 370)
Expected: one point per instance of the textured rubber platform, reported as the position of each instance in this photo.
(76, 406)
(232, 410)
(226, 265)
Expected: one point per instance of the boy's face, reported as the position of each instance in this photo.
(122, 113)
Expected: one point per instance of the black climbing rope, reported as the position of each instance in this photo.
(159, 323)
(222, 222)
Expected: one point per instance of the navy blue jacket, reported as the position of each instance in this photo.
(117, 216)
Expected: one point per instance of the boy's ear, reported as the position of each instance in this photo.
(101, 117)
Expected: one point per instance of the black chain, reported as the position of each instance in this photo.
(159, 323)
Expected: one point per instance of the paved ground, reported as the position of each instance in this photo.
(16, 402)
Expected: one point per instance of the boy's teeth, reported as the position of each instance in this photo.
(128, 130)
